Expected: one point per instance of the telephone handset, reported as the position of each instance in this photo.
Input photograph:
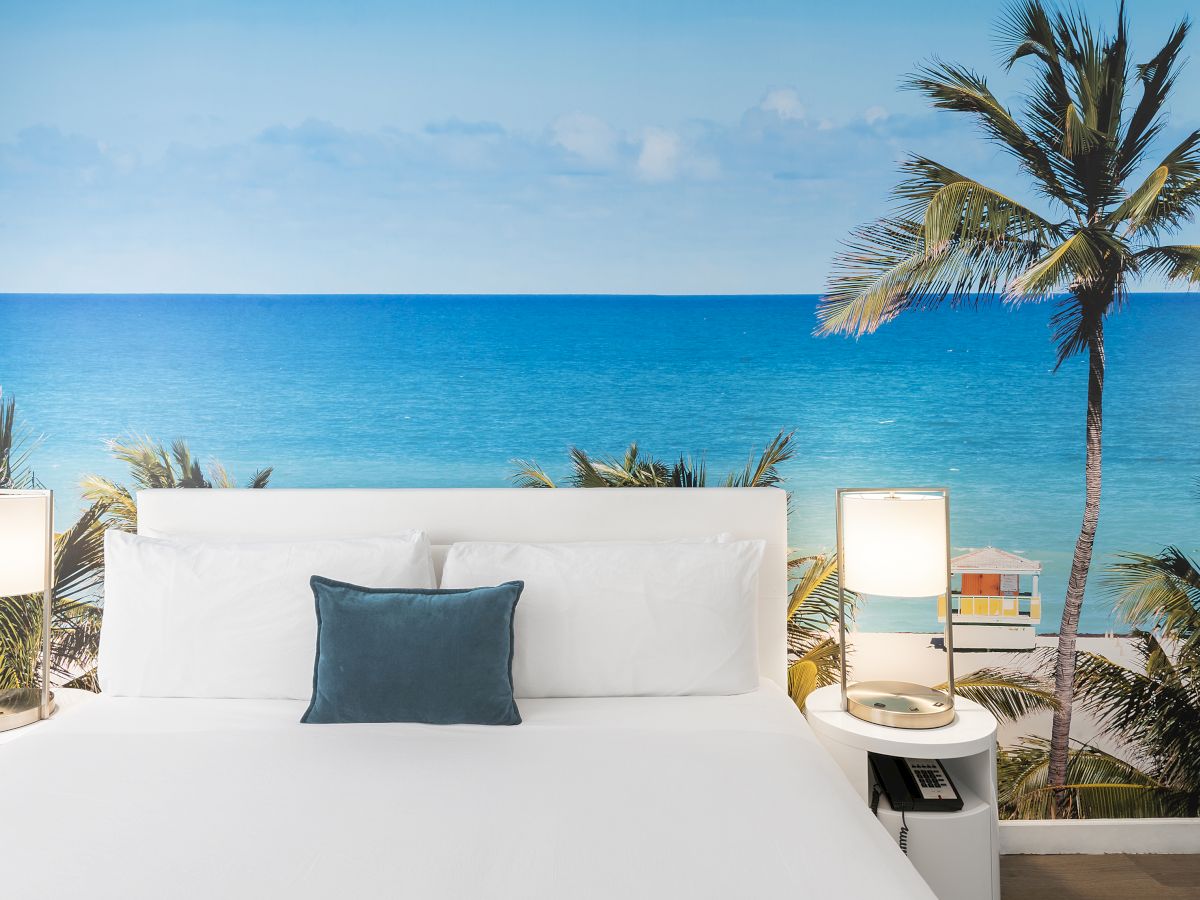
(914, 785)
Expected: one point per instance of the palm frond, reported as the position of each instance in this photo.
(824, 652)
(1161, 590)
(1029, 31)
(79, 556)
(1073, 259)
(802, 680)
(190, 473)
(260, 478)
(816, 586)
(219, 476)
(1178, 200)
(959, 89)
(689, 472)
(1078, 137)
(884, 269)
(1074, 324)
(74, 612)
(764, 471)
(923, 179)
(152, 465)
(813, 614)
(530, 475)
(974, 212)
(1022, 771)
(75, 638)
(16, 447)
(1177, 262)
(1155, 711)
(1099, 785)
(20, 640)
(631, 470)
(1136, 208)
(1008, 694)
(149, 466)
(88, 681)
(118, 501)
(1157, 78)
(879, 271)
(585, 473)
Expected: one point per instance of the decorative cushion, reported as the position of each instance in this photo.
(443, 657)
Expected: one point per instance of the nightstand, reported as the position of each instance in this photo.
(957, 853)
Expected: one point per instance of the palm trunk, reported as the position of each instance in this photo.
(1064, 666)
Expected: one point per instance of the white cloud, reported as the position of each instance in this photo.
(450, 191)
(785, 103)
(875, 114)
(590, 138)
(659, 157)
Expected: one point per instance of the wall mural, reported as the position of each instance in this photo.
(964, 338)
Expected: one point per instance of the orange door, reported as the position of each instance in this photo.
(989, 585)
(970, 585)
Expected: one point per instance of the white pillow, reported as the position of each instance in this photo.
(186, 618)
(624, 619)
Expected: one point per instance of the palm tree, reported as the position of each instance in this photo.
(78, 575)
(1153, 710)
(151, 465)
(954, 240)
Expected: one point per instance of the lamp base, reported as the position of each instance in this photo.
(899, 704)
(22, 706)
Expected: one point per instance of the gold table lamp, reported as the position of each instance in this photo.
(895, 542)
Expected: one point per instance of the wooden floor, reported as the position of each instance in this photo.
(1117, 876)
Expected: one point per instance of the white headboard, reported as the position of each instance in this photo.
(499, 514)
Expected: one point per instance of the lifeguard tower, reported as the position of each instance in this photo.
(993, 610)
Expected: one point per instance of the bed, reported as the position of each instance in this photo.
(632, 797)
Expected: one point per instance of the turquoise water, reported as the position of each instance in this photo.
(443, 391)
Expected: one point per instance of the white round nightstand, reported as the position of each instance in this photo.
(957, 853)
(972, 731)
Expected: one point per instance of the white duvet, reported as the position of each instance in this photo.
(682, 797)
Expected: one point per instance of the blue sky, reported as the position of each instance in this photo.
(461, 147)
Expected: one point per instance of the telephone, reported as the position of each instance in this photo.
(914, 785)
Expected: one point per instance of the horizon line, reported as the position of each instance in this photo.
(498, 294)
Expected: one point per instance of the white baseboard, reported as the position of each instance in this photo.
(1100, 836)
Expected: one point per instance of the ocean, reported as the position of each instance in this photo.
(408, 391)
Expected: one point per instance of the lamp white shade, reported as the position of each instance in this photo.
(894, 544)
(23, 526)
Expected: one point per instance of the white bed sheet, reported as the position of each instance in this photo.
(688, 797)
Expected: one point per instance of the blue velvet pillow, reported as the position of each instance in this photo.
(443, 657)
